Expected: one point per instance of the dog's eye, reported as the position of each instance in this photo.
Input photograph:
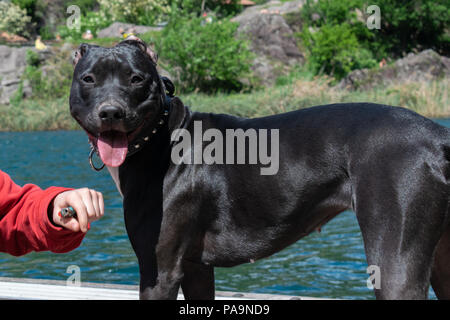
(136, 79)
(88, 79)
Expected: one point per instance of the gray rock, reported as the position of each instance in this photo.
(27, 90)
(424, 66)
(263, 69)
(67, 47)
(113, 31)
(271, 7)
(12, 65)
(271, 38)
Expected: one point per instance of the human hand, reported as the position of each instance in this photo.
(87, 203)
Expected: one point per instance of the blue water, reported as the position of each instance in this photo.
(330, 264)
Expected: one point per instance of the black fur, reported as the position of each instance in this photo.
(390, 165)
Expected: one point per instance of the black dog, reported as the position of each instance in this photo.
(390, 165)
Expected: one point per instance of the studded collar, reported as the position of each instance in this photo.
(138, 143)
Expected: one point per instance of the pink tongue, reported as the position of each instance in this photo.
(113, 148)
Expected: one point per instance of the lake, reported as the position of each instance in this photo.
(327, 264)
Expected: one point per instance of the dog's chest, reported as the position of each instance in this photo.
(114, 172)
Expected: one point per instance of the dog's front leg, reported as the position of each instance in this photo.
(159, 264)
(198, 281)
(163, 281)
(166, 288)
(160, 273)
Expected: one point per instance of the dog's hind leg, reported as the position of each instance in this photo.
(401, 226)
(440, 279)
(198, 281)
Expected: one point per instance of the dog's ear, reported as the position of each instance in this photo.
(81, 51)
(153, 55)
(178, 114)
(133, 40)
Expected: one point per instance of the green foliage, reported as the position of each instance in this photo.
(32, 58)
(416, 24)
(17, 96)
(335, 50)
(427, 98)
(296, 73)
(405, 26)
(28, 5)
(221, 8)
(46, 33)
(151, 12)
(93, 21)
(338, 40)
(336, 37)
(205, 56)
(38, 84)
(36, 10)
(84, 5)
(318, 13)
(13, 19)
(146, 12)
(50, 79)
(37, 114)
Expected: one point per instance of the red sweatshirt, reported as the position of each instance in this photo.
(24, 222)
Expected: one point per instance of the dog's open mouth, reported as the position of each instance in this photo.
(112, 147)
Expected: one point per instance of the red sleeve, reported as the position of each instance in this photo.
(24, 222)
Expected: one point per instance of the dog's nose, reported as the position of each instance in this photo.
(111, 113)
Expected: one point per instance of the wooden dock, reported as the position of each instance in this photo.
(34, 289)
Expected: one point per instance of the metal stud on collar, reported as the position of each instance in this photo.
(140, 143)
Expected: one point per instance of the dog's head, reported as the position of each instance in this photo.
(115, 93)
